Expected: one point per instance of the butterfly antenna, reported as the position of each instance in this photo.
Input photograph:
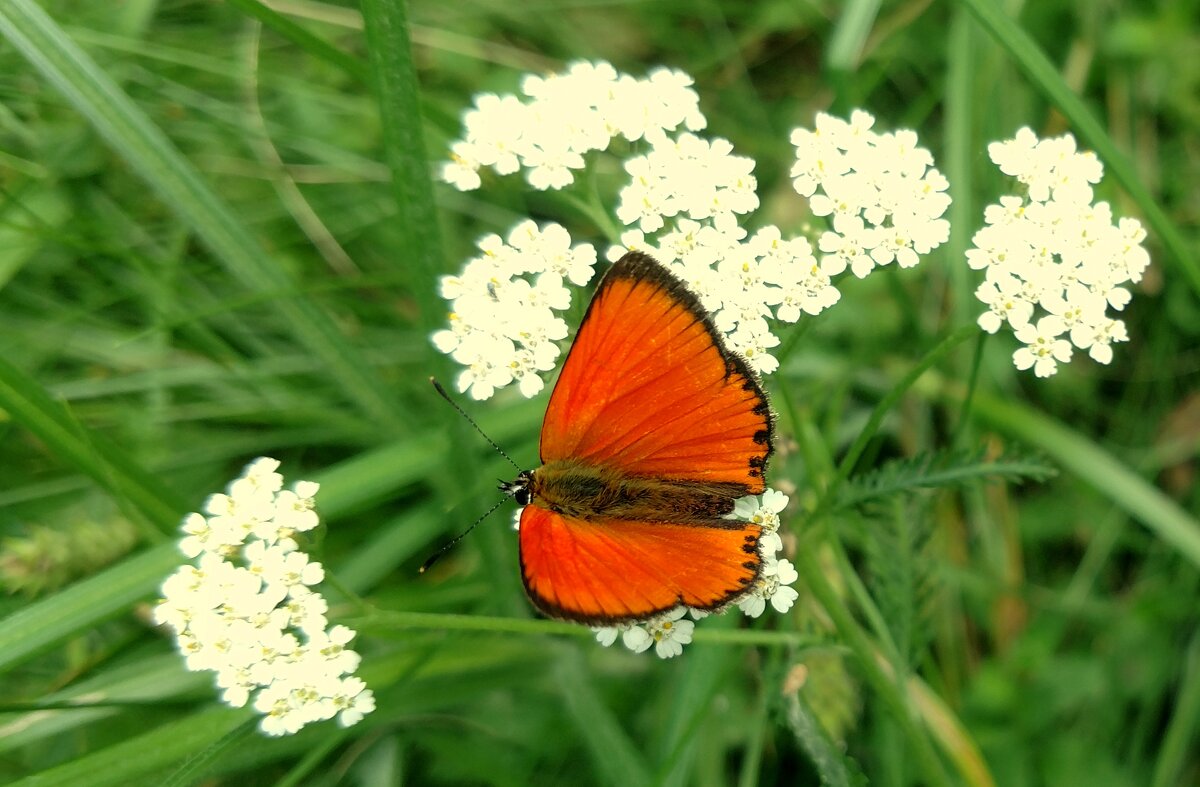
(442, 392)
(437, 555)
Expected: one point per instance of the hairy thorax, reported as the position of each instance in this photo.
(593, 493)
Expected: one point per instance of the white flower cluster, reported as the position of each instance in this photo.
(684, 202)
(565, 116)
(503, 326)
(668, 633)
(882, 192)
(687, 175)
(246, 608)
(1054, 250)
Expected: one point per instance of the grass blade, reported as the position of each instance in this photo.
(404, 147)
(162, 748)
(43, 623)
(1092, 464)
(314, 45)
(613, 753)
(148, 151)
(1185, 721)
(28, 404)
(834, 767)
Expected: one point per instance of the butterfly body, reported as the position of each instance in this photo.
(653, 432)
(594, 493)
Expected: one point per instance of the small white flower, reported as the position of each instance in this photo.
(462, 170)
(852, 194)
(635, 240)
(199, 535)
(761, 509)
(637, 638)
(551, 169)
(764, 511)
(259, 478)
(294, 508)
(687, 175)
(817, 160)
(669, 633)
(782, 574)
(495, 130)
(280, 715)
(810, 293)
(1132, 258)
(754, 345)
(607, 635)
(773, 585)
(848, 245)
(1005, 303)
(353, 700)
(895, 244)
(1098, 337)
(306, 609)
(563, 117)
(1043, 349)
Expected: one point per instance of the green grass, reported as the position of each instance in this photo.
(218, 240)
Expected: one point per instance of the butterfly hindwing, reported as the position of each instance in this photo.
(649, 388)
(615, 571)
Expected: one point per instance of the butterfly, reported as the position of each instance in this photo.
(654, 429)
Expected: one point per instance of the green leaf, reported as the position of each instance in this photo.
(157, 678)
(939, 469)
(902, 574)
(834, 768)
(885, 405)
(854, 24)
(1180, 736)
(697, 684)
(882, 680)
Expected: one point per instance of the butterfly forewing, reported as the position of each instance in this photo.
(649, 388)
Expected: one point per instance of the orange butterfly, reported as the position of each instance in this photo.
(654, 429)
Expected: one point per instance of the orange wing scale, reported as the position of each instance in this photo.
(601, 573)
(649, 389)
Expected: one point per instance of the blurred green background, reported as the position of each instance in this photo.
(204, 258)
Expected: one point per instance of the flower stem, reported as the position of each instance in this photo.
(814, 577)
(881, 410)
(812, 573)
(381, 621)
